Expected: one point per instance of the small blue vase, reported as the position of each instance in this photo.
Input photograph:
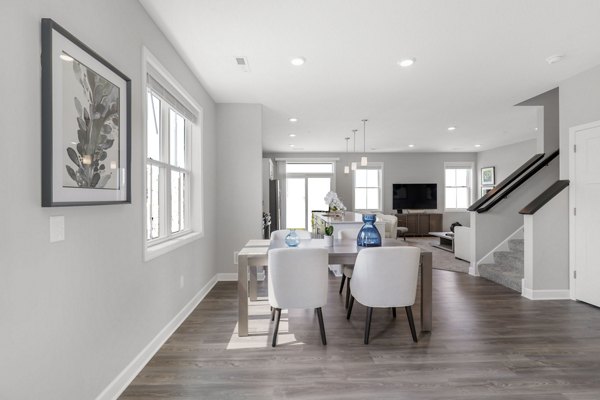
(291, 239)
(368, 236)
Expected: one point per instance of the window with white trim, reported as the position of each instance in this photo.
(368, 188)
(173, 179)
(458, 178)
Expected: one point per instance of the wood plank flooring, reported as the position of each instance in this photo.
(488, 343)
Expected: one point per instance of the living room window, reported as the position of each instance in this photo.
(458, 185)
(368, 187)
(173, 211)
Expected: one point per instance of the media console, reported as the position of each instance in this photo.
(420, 224)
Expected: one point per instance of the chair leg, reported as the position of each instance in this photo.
(278, 311)
(348, 293)
(411, 322)
(321, 325)
(350, 307)
(272, 314)
(394, 312)
(342, 284)
(368, 324)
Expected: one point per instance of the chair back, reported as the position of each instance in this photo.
(298, 278)
(282, 233)
(386, 276)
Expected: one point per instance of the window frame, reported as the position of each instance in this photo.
(371, 165)
(168, 167)
(194, 229)
(460, 165)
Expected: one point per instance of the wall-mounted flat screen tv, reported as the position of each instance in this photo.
(415, 196)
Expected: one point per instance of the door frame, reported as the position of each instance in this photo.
(571, 154)
(306, 176)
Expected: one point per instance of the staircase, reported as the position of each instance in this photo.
(507, 269)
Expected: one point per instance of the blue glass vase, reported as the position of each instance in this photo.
(291, 239)
(368, 236)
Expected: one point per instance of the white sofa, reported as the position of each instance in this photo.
(462, 243)
(391, 225)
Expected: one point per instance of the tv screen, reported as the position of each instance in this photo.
(415, 196)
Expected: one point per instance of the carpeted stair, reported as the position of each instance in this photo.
(507, 269)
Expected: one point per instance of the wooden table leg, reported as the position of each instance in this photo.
(252, 289)
(242, 295)
(426, 292)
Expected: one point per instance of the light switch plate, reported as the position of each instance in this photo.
(57, 228)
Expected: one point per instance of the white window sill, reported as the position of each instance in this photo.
(159, 249)
(455, 210)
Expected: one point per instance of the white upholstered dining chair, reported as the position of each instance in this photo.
(347, 234)
(298, 279)
(282, 233)
(385, 277)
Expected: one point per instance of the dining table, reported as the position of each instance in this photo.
(256, 252)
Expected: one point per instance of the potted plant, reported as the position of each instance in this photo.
(329, 235)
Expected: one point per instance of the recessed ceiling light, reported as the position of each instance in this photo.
(406, 62)
(66, 57)
(291, 145)
(451, 128)
(292, 135)
(477, 145)
(555, 58)
(411, 145)
(535, 129)
(297, 61)
(293, 119)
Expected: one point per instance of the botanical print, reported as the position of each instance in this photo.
(487, 176)
(91, 128)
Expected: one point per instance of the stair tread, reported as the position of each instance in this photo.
(496, 273)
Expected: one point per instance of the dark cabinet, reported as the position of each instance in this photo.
(420, 224)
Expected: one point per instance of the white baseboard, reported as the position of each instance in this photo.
(473, 270)
(546, 294)
(120, 383)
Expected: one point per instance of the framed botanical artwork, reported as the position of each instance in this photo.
(86, 124)
(487, 176)
(485, 190)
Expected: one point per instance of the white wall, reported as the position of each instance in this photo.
(579, 104)
(239, 192)
(546, 252)
(73, 314)
(505, 159)
(397, 168)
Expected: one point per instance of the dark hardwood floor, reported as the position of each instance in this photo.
(488, 343)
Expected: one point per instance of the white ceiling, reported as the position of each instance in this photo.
(475, 60)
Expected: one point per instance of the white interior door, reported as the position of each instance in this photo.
(587, 220)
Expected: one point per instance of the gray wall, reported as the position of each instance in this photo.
(73, 314)
(239, 193)
(505, 159)
(548, 119)
(579, 104)
(397, 168)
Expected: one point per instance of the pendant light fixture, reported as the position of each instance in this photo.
(347, 167)
(363, 159)
(353, 165)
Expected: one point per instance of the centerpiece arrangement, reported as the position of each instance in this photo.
(335, 204)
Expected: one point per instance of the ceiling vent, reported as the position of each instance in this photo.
(242, 63)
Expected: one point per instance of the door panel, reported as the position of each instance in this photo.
(295, 206)
(587, 221)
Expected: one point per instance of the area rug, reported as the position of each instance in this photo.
(441, 259)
